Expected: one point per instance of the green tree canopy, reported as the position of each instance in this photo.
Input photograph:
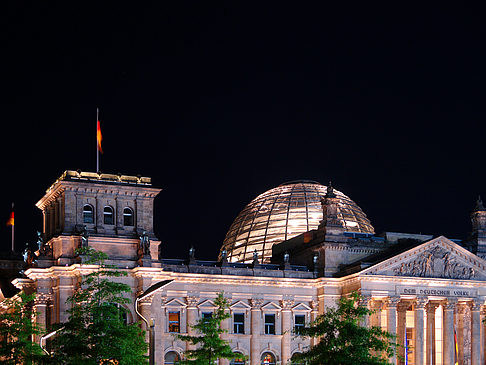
(343, 340)
(17, 328)
(210, 345)
(96, 331)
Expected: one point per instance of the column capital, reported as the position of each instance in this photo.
(377, 304)
(450, 304)
(393, 301)
(421, 302)
(192, 301)
(314, 304)
(365, 300)
(287, 304)
(256, 304)
(432, 306)
(476, 305)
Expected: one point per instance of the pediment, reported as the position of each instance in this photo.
(207, 304)
(437, 258)
(175, 303)
(240, 305)
(301, 307)
(271, 306)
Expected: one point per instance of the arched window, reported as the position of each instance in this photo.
(127, 216)
(171, 357)
(108, 216)
(268, 359)
(88, 214)
(239, 359)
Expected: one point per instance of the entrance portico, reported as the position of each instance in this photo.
(431, 297)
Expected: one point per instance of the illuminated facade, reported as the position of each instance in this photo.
(423, 289)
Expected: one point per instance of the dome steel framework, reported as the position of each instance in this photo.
(282, 213)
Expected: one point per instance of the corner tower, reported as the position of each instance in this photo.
(107, 207)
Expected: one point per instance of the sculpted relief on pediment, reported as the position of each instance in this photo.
(436, 262)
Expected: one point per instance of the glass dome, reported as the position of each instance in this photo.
(282, 213)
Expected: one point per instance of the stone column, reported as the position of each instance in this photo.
(460, 312)
(392, 305)
(430, 352)
(365, 302)
(256, 316)
(476, 333)
(448, 332)
(286, 329)
(145, 308)
(192, 302)
(419, 330)
(375, 318)
(401, 323)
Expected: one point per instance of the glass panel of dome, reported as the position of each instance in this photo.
(276, 230)
(259, 232)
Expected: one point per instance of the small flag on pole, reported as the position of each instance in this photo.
(99, 138)
(10, 221)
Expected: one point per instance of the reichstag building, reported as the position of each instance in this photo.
(290, 253)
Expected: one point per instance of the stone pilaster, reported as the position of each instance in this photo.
(286, 329)
(365, 303)
(192, 302)
(256, 315)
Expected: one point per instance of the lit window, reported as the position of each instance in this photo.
(239, 323)
(238, 360)
(269, 324)
(108, 216)
(88, 214)
(127, 217)
(299, 323)
(174, 322)
(268, 359)
(171, 357)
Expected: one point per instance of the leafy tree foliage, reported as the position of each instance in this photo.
(16, 332)
(343, 340)
(210, 345)
(96, 332)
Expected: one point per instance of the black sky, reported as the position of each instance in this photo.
(221, 101)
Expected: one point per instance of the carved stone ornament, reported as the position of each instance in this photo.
(436, 262)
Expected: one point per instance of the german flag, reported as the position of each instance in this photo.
(10, 221)
(99, 138)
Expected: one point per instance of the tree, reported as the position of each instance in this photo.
(343, 340)
(96, 331)
(210, 344)
(17, 329)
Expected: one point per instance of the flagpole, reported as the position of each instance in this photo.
(97, 148)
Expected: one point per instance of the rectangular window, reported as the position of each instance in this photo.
(269, 324)
(239, 323)
(174, 322)
(299, 323)
(207, 315)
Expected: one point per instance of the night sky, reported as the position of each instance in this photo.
(221, 101)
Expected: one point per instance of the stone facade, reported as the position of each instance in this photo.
(422, 289)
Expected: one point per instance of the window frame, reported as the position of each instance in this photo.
(131, 216)
(170, 323)
(85, 213)
(110, 214)
(240, 325)
(268, 325)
